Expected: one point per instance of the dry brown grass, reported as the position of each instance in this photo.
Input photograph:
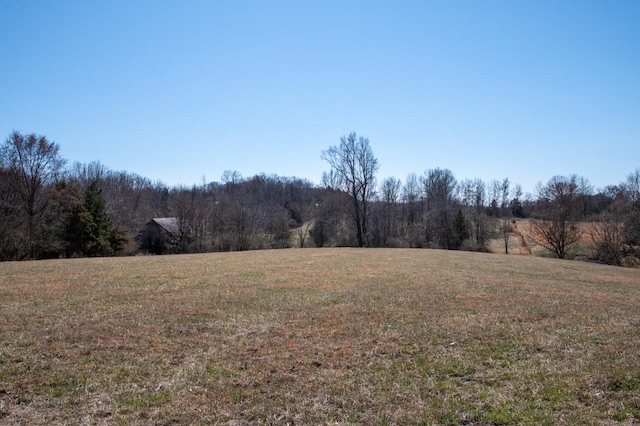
(319, 336)
(581, 249)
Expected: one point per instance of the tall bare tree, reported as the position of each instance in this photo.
(231, 178)
(32, 164)
(385, 222)
(441, 206)
(473, 197)
(354, 162)
(504, 204)
(411, 231)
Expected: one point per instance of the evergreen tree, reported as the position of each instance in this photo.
(460, 230)
(89, 231)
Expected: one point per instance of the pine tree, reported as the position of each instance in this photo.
(460, 229)
(89, 231)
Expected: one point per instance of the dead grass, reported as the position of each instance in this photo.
(319, 336)
(582, 249)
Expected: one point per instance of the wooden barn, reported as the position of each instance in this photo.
(162, 235)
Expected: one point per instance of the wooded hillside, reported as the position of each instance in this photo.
(52, 208)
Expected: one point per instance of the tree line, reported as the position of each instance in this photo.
(51, 209)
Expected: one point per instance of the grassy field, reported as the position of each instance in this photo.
(319, 336)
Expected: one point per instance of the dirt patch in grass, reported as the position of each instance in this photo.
(319, 336)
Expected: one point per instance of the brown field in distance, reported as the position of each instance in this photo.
(582, 248)
(319, 336)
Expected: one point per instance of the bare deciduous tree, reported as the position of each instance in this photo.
(411, 211)
(231, 178)
(441, 206)
(610, 247)
(473, 195)
(385, 218)
(12, 223)
(559, 207)
(504, 203)
(355, 164)
(32, 164)
(332, 180)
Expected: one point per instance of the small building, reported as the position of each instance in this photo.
(162, 235)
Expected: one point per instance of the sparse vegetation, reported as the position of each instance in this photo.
(319, 336)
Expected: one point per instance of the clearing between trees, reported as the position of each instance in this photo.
(317, 336)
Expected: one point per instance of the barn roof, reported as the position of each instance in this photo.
(169, 224)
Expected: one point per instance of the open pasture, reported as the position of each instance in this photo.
(319, 336)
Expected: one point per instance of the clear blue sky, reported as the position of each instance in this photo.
(181, 90)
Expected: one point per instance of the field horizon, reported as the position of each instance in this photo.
(319, 336)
